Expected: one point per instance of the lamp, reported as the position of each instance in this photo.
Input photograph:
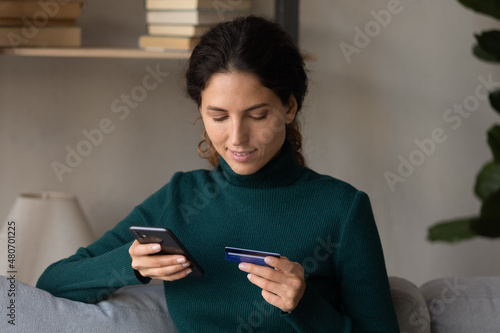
(41, 228)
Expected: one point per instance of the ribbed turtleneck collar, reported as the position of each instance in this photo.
(280, 171)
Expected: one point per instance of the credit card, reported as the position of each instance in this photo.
(251, 256)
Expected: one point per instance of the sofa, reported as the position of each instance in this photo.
(446, 305)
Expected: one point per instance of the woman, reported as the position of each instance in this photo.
(249, 82)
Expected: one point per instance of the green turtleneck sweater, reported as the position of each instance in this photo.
(322, 223)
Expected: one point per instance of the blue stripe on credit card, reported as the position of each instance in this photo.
(250, 256)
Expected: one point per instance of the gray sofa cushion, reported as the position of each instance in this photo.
(130, 309)
(411, 309)
(463, 305)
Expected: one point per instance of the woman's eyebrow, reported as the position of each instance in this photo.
(214, 108)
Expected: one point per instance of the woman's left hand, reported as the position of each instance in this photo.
(282, 286)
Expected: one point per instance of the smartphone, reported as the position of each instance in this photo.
(170, 244)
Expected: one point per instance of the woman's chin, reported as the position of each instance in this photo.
(244, 169)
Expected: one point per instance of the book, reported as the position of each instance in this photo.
(17, 22)
(177, 30)
(223, 5)
(193, 17)
(41, 37)
(167, 43)
(41, 9)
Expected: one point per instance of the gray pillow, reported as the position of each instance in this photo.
(411, 309)
(130, 309)
(464, 305)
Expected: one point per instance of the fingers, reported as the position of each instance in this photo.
(163, 267)
(268, 273)
(158, 261)
(281, 265)
(282, 284)
(144, 251)
(168, 273)
(265, 283)
(284, 264)
(138, 249)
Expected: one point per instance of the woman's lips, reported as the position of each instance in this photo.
(242, 156)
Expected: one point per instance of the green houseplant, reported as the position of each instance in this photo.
(487, 187)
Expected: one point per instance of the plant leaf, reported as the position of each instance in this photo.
(491, 208)
(483, 55)
(452, 231)
(488, 225)
(495, 100)
(489, 41)
(488, 181)
(494, 142)
(487, 7)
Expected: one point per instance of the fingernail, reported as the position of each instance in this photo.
(188, 271)
(185, 264)
(181, 260)
(242, 266)
(249, 276)
(268, 260)
(156, 247)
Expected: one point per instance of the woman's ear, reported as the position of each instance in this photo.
(291, 109)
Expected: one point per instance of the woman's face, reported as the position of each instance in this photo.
(244, 120)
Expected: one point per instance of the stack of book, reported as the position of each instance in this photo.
(39, 23)
(176, 25)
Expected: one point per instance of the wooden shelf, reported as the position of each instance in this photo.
(286, 14)
(93, 52)
(96, 52)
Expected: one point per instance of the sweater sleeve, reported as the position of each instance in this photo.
(366, 303)
(94, 272)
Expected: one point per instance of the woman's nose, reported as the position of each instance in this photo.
(239, 133)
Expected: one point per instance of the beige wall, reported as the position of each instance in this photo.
(358, 118)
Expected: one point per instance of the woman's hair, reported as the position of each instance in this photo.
(250, 45)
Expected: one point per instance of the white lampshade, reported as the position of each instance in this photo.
(48, 226)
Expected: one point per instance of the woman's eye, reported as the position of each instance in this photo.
(219, 119)
(258, 118)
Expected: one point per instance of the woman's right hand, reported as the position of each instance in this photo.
(163, 267)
